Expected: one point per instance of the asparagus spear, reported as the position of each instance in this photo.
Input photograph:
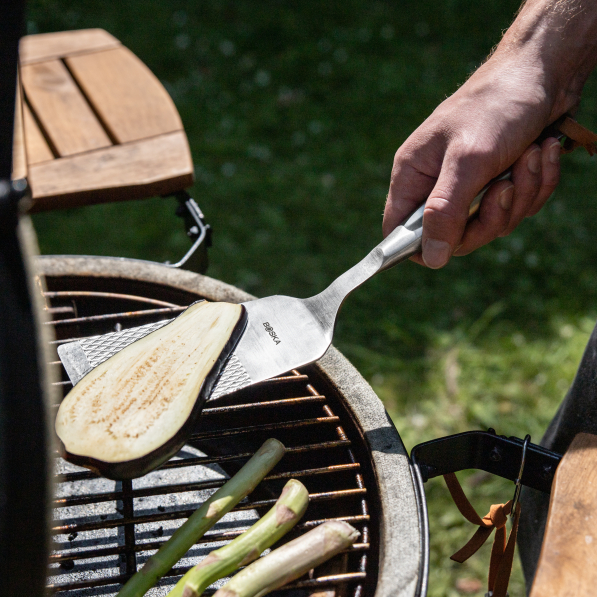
(287, 511)
(290, 561)
(221, 502)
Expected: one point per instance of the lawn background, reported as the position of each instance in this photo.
(294, 111)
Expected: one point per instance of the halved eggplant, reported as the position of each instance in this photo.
(135, 410)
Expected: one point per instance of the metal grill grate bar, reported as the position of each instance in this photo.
(165, 489)
(155, 545)
(204, 460)
(267, 427)
(113, 316)
(218, 410)
(323, 581)
(62, 294)
(206, 539)
(116, 522)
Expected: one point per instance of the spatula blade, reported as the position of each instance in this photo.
(282, 333)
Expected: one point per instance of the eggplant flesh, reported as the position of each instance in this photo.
(137, 409)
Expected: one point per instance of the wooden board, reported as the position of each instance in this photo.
(130, 101)
(19, 156)
(38, 149)
(63, 112)
(146, 168)
(46, 46)
(568, 561)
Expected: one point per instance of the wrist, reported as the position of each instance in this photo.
(557, 44)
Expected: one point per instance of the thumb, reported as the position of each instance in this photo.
(447, 207)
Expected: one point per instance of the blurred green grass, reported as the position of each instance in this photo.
(294, 112)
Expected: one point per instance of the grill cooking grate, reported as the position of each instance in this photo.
(105, 530)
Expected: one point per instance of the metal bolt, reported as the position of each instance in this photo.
(495, 455)
(546, 471)
(19, 185)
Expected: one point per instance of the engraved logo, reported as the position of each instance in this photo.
(270, 330)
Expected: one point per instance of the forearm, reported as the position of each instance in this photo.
(559, 39)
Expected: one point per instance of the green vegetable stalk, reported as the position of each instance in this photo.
(287, 511)
(290, 561)
(220, 503)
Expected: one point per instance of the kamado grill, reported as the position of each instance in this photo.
(341, 445)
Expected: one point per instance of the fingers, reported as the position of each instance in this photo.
(535, 175)
(492, 219)
(550, 167)
(410, 185)
(446, 210)
(408, 189)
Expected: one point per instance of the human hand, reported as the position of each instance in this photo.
(535, 75)
(488, 125)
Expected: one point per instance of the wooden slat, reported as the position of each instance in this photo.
(19, 157)
(126, 95)
(63, 112)
(46, 46)
(147, 168)
(38, 149)
(567, 564)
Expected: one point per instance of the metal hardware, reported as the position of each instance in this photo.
(197, 230)
(518, 482)
(487, 451)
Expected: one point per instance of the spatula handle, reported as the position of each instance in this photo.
(405, 240)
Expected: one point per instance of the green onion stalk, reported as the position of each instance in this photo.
(287, 511)
(219, 504)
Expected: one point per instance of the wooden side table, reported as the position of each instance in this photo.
(94, 124)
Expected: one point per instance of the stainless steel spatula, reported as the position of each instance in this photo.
(282, 332)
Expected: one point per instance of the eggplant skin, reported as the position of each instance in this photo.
(137, 467)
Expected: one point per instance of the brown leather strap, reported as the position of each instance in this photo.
(502, 552)
(577, 136)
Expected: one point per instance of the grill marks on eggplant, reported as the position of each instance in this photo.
(135, 410)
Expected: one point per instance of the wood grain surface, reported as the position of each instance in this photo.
(63, 112)
(144, 168)
(38, 149)
(568, 561)
(130, 101)
(46, 46)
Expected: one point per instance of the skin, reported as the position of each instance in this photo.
(535, 75)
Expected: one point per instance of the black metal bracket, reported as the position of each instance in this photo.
(487, 451)
(197, 230)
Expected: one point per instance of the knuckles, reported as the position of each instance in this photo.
(439, 205)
